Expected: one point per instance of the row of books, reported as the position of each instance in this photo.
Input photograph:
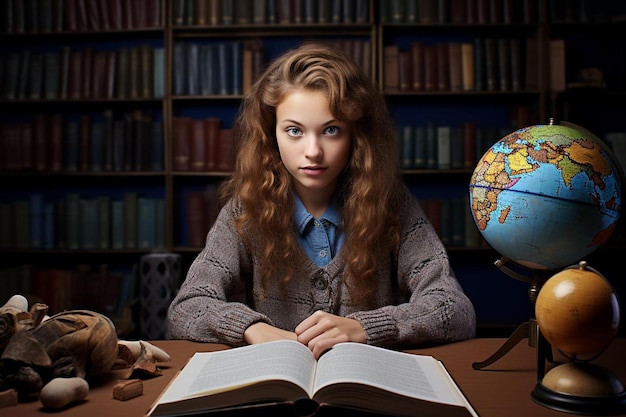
(97, 288)
(87, 73)
(87, 223)
(261, 12)
(586, 11)
(202, 209)
(443, 147)
(45, 16)
(484, 64)
(201, 145)
(230, 67)
(213, 68)
(452, 219)
(107, 142)
(477, 12)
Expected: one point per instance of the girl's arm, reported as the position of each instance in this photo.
(212, 303)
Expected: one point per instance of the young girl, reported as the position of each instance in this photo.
(319, 240)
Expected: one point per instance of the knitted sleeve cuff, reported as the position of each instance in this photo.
(379, 326)
(235, 323)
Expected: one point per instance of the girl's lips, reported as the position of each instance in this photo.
(313, 170)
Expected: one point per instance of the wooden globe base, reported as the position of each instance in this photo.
(581, 388)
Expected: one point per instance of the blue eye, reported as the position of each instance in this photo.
(331, 130)
(293, 131)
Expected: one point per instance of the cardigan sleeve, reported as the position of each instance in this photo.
(212, 304)
(433, 307)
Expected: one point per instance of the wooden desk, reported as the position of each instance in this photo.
(503, 389)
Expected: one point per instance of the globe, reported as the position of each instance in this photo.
(546, 196)
(577, 311)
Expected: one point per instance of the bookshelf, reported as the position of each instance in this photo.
(175, 106)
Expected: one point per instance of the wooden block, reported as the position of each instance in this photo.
(127, 389)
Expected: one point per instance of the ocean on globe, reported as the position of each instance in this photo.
(546, 196)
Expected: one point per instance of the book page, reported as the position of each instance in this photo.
(410, 375)
(213, 372)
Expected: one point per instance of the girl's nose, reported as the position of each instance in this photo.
(313, 147)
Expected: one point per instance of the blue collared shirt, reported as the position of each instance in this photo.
(320, 238)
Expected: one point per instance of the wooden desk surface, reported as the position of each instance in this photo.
(502, 389)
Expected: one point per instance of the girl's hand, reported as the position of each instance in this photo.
(321, 331)
(263, 332)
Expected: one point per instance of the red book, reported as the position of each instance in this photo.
(99, 74)
(443, 67)
(115, 14)
(225, 158)
(87, 77)
(470, 12)
(181, 141)
(458, 12)
(71, 20)
(103, 10)
(212, 127)
(40, 143)
(26, 145)
(404, 71)
(127, 14)
(56, 141)
(495, 11)
(391, 71)
(455, 62)
(469, 143)
(417, 65)
(139, 14)
(75, 76)
(196, 218)
(109, 75)
(430, 68)
(12, 139)
(81, 15)
(92, 10)
(153, 12)
(85, 138)
(483, 12)
(197, 146)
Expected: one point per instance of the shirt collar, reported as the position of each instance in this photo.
(302, 217)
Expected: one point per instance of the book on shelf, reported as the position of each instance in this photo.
(284, 372)
(391, 70)
(225, 159)
(181, 135)
(556, 50)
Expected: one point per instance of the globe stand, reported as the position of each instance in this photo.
(578, 386)
(588, 390)
(528, 330)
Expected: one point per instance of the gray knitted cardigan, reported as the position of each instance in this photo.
(418, 299)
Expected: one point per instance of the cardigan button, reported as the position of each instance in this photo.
(320, 283)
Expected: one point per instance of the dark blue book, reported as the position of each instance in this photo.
(71, 146)
(146, 223)
(208, 70)
(35, 210)
(419, 147)
(156, 160)
(431, 146)
(224, 53)
(96, 148)
(237, 73)
(180, 69)
(407, 138)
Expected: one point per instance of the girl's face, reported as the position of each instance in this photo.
(313, 145)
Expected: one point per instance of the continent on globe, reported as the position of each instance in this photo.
(545, 196)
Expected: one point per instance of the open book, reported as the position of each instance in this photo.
(350, 375)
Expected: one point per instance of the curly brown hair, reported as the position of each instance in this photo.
(368, 187)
